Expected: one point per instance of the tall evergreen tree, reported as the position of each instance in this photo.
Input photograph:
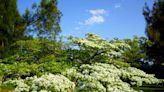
(11, 27)
(155, 31)
(155, 28)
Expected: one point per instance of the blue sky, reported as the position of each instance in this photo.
(107, 18)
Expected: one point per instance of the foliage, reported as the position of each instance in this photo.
(11, 26)
(33, 57)
(101, 77)
(104, 67)
(97, 77)
(34, 50)
(137, 52)
(95, 49)
(155, 22)
(45, 83)
(23, 70)
(43, 19)
(154, 29)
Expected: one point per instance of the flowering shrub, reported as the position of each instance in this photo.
(96, 77)
(101, 77)
(19, 85)
(45, 83)
(137, 77)
(55, 83)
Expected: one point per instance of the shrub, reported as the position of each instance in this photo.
(45, 83)
(23, 69)
(33, 57)
(101, 77)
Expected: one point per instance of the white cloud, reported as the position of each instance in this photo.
(95, 19)
(118, 5)
(97, 12)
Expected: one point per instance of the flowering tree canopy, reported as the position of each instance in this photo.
(93, 48)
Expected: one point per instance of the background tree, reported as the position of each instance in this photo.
(43, 20)
(11, 26)
(136, 54)
(155, 31)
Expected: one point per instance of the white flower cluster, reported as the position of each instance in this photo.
(101, 77)
(97, 77)
(94, 42)
(138, 77)
(45, 83)
(20, 85)
(54, 83)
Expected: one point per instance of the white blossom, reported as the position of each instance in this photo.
(45, 83)
(101, 77)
